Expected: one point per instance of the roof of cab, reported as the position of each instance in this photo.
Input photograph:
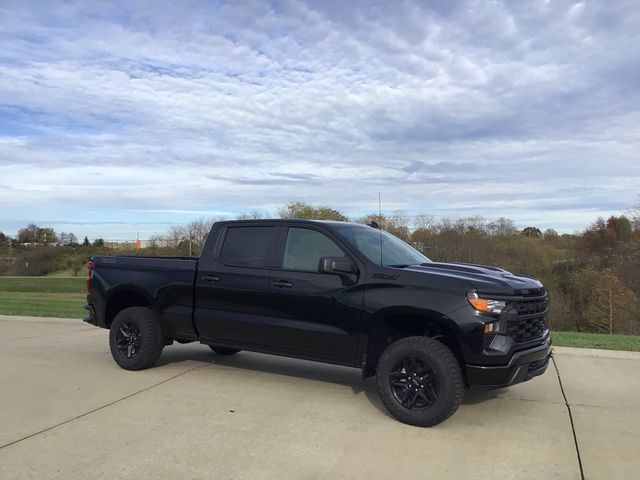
(333, 223)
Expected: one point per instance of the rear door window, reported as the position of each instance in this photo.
(247, 246)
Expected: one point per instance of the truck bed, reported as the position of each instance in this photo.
(164, 283)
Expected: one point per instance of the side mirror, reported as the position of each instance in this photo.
(337, 266)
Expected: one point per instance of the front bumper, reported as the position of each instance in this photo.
(523, 366)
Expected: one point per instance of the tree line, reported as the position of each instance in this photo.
(33, 234)
(593, 276)
(39, 250)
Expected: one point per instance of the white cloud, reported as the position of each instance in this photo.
(527, 110)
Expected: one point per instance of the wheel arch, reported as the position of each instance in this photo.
(393, 324)
(124, 297)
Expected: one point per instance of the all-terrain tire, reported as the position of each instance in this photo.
(223, 350)
(437, 363)
(135, 338)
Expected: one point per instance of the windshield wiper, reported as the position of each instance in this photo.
(402, 265)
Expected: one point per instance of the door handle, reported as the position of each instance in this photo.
(282, 284)
(210, 278)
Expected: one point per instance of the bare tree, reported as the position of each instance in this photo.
(476, 223)
(397, 223)
(634, 214)
(67, 239)
(175, 236)
(532, 232)
(197, 231)
(28, 234)
(502, 227)
(304, 210)
(423, 222)
(252, 215)
(603, 302)
(156, 241)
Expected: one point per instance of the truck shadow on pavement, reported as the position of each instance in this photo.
(277, 365)
(303, 369)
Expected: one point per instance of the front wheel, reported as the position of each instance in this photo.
(135, 338)
(420, 381)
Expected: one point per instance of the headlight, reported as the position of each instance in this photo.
(486, 305)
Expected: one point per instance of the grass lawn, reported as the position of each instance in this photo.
(629, 343)
(43, 296)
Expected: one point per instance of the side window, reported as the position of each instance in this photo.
(305, 247)
(246, 246)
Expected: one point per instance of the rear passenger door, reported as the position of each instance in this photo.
(233, 284)
(312, 314)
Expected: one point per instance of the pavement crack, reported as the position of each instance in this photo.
(501, 397)
(573, 428)
(99, 408)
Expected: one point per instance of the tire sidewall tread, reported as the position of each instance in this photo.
(152, 341)
(446, 368)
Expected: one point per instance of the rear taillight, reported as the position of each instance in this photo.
(90, 266)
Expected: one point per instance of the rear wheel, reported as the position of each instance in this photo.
(420, 381)
(135, 339)
(223, 350)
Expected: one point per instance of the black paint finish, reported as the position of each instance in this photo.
(342, 319)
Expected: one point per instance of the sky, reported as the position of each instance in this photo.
(119, 119)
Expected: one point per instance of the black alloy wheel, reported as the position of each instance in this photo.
(414, 384)
(135, 338)
(128, 339)
(420, 381)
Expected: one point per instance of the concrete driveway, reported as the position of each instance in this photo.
(67, 411)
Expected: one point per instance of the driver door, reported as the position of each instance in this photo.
(310, 313)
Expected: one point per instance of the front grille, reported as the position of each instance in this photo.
(531, 307)
(526, 329)
(529, 324)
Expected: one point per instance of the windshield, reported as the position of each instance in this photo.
(394, 251)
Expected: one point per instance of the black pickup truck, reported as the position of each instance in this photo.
(333, 292)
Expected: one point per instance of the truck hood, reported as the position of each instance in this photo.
(489, 280)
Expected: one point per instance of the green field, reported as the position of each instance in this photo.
(43, 296)
(629, 343)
